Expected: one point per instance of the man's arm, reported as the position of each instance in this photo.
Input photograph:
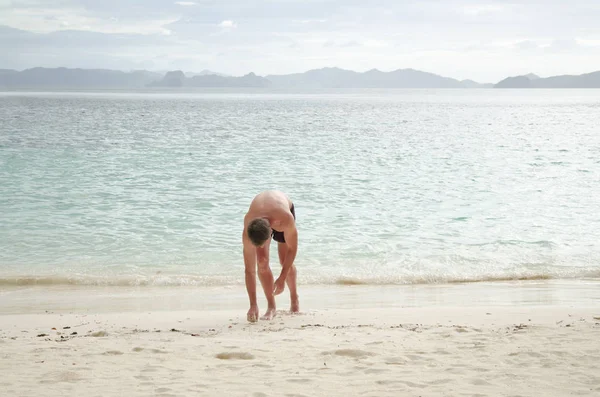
(250, 268)
(291, 239)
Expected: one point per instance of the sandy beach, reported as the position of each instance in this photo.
(461, 340)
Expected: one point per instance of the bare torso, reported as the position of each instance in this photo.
(272, 205)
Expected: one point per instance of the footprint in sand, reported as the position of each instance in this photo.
(156, 351)
(376, 370)
(260, 365)
(151, 369)
(299, 380)
(479, 382)
(235, 356)
(197, 386)
(355, 353)
(395, 361)
(412, 384)
(387, 382)
(113, 353)
(147, 383)
(440, 381)
(67, 376)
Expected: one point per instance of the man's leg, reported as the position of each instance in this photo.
(291, 278)
(266, 279)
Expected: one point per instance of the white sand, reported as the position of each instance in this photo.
(485, 350)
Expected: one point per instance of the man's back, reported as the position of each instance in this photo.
(272, 205)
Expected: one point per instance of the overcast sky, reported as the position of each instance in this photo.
(484, 40)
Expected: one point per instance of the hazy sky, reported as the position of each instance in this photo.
(477, 39)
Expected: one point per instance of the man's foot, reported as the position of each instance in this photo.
(252, 315)
(295, 306)
(269, 314)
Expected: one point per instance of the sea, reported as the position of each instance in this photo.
(150, 188)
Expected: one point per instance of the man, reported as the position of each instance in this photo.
(271, 214)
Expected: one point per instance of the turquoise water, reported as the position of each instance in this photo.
(404, 186)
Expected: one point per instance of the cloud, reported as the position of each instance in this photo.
(589, 42)
(72, 17)
(479, 9)
(185, 3)
(306, 21)
(354, 43)
(351, 43)
(563, 45)
(227, 24)
(527, 45)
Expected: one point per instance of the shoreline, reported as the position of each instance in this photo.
(106, 299)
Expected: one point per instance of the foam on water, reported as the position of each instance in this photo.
(405, 278)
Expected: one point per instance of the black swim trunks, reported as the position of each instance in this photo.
(278, 236)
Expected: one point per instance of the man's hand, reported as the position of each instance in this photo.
(279, 286)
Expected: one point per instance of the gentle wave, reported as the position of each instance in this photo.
(208, 281)
(458, 280)
(125, 281)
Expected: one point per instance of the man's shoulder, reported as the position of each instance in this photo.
(289, 219)
(247, 218)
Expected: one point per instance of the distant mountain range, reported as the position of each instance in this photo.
(340, 78)
(588, 80)
(179, 79)
(64, 78)
(44, 78)
(205, 72)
